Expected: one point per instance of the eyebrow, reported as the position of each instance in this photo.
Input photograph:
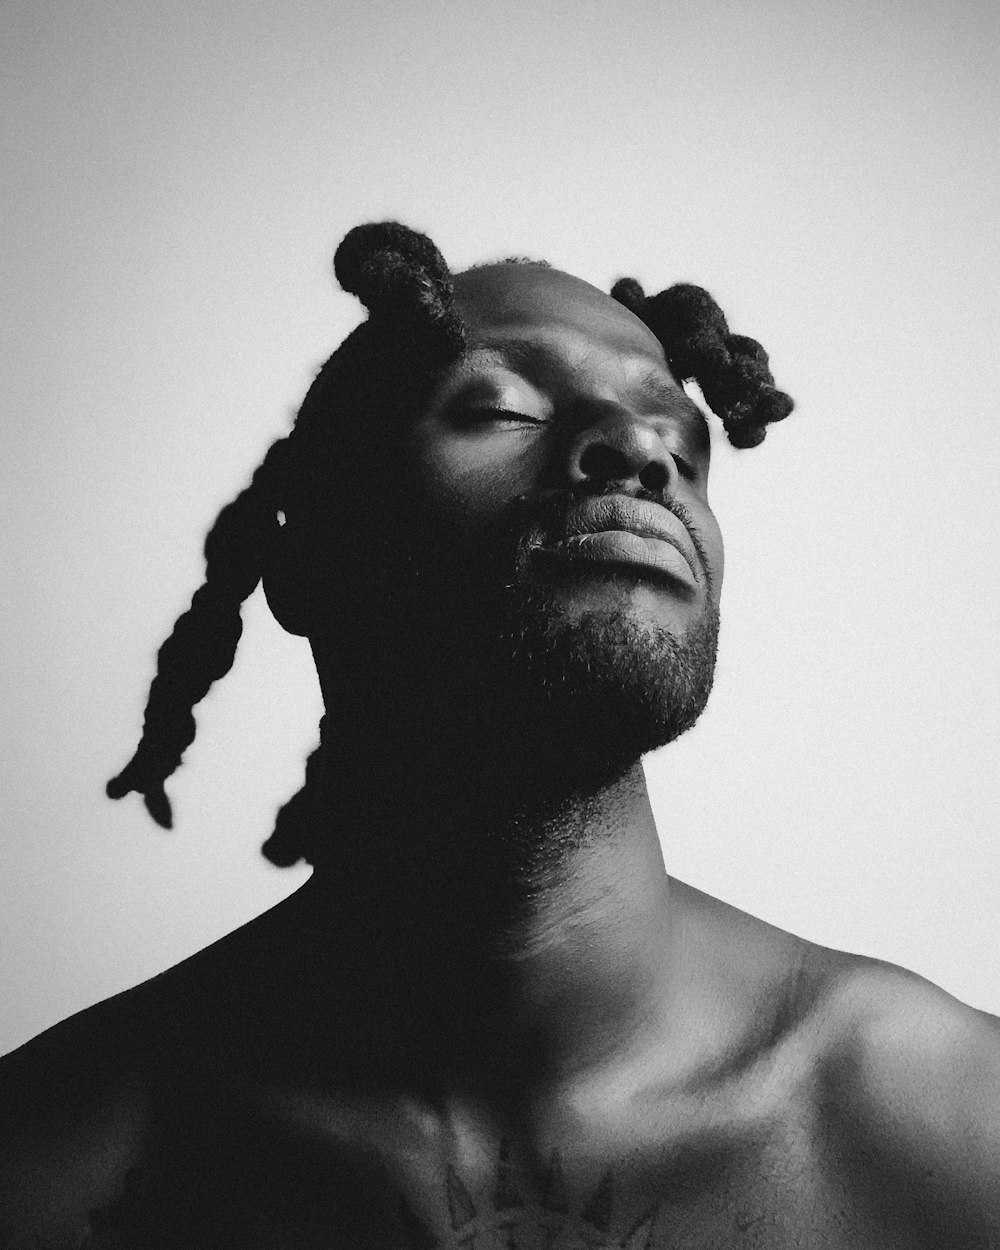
(669, 397)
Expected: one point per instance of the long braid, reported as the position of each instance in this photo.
(202, 645)
(295, 821)
(731, 369)
(403, 280)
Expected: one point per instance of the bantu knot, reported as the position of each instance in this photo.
(402, 279)
(628, 292)
(731, 369)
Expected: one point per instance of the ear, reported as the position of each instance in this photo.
(297, 598)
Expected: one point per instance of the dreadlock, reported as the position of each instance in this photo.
(731, 369)
(403, 281)
(413, 331)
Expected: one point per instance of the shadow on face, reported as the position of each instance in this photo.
(539, 545)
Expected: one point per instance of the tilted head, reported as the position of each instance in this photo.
(505, 459)
(564, 396)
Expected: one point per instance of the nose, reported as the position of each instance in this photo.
(621, 447)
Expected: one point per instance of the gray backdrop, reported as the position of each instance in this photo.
(179, 175)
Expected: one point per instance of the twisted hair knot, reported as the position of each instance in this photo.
(404, 282)
(731, 369)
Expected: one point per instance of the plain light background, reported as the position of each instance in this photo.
(179, 175)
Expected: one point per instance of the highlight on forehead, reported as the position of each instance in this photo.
(506, 294)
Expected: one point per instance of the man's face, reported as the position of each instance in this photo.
(563, 474)
(546, 516)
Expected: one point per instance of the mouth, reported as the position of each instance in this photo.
(619, 533)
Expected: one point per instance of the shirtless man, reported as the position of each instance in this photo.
(491, 1019)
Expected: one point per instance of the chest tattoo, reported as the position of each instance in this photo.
(511, 1216)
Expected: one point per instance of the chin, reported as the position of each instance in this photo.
(616, 676)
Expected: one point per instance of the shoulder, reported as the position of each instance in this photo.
(904, 1046)
(907, 1095)
(73, 1125)
(115, 1091)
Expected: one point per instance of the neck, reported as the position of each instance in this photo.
(502, 917)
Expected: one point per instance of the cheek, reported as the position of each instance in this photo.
(711, 537)
(469, 478)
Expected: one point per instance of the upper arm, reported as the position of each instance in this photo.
(914, 1089)
(72, 1131)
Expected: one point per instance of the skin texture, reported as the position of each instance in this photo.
(491, 1017)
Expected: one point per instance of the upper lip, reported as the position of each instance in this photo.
(634, 516)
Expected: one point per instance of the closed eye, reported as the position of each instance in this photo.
(480, 415)
(684, 467)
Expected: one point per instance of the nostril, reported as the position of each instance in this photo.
(654, 476)
(604, 463)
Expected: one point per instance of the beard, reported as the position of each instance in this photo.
(610, 685)
(467, 686)
(469, 641)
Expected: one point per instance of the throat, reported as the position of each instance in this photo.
(531, 937)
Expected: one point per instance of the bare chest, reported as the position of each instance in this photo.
(317, 1179)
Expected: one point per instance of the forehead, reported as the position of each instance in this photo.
(500, 303)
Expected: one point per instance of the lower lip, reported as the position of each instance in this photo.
(610, 548)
